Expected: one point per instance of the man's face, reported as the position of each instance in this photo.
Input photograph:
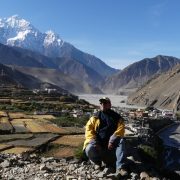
(105, 105)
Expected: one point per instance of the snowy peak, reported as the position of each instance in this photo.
(51, 38)
(16, 21)
(15, 31)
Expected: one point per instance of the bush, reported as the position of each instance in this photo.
(148, 151)
(79, 153)
(178, 116)
(152, 153)
(82, 101)
(68, 121)
(67, 99)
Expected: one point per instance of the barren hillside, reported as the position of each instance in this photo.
(162, 91)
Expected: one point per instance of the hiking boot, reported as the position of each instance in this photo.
(122, 172)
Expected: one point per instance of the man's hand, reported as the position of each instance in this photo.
(110, 146)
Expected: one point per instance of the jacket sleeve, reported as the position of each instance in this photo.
(90, 131)
(119, 133)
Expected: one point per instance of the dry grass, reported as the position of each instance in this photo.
(4, 120)
(70, 140)
(17, 150)
(5, 124)
(35, 127)
(8, 137)
(43, 117)
(4, 146)
(61, 152)
(36, 141)
(21, 121)
(43, 127)
(2, 113)
(76, 130)
(39, 126)
(54, 129)
(15, 115)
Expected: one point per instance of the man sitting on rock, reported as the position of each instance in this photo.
(104, 138)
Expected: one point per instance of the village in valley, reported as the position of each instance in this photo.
(50, 123)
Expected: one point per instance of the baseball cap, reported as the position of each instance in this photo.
(104, 99)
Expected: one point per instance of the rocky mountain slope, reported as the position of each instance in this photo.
(138, 73)
(15, 31)
(10, 56)
(58, 78)
(67, 50)
(69, 66)
(79, 71)
(28, 62)
(11, 76)
(162, 91)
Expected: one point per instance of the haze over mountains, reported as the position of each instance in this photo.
(52, 60)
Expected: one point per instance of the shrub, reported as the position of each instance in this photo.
(82, 101)
(80, 154)
(152, 153)
(148, 151)
(178, 116)
(67, 99)
(68, 121)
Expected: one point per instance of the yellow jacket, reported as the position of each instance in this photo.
(92, 126)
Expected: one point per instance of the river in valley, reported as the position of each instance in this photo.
(116, 100)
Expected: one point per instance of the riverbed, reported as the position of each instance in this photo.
(116, 100)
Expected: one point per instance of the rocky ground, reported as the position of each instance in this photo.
(26, 167)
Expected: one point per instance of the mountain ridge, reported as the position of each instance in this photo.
(18, 32)
(134, 75)
(18, 57)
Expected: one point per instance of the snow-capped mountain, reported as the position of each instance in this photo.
(15, 31)
(19, 32)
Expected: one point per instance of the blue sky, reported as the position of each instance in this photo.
(119, 32)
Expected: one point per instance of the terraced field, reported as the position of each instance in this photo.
(12, 137)
(17, 150)
(2, 113)
(21, 133)
(36, 141)
(61, 152)
(5, 125)
(70, 140)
